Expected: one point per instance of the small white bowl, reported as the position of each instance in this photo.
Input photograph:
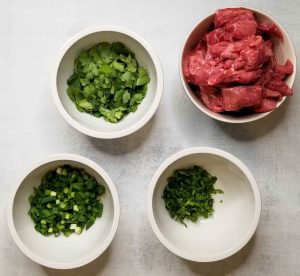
(234, 220)
(86, 123)
(62, 252)
(283, 51)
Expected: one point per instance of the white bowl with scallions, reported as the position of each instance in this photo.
(95, 105)
(77, 246)
(236, 204)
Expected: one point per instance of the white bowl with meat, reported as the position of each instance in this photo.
(238, 65)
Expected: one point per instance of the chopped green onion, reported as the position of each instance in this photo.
(67, 216)
(59, 170)
(78, 230)
(67, 201)
(73, 226)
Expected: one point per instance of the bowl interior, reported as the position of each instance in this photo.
(60, 250)
(65, 70)
(283, 51)
(232, 219)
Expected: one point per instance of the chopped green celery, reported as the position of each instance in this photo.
(105, 80)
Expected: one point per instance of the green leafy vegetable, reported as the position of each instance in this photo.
(188, 194)
(67, 201)
(107, 81)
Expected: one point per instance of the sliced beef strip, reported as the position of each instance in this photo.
(281, 71)
(273, 76)
(270, 28)
(226, 62)
(231, 15)
(236, 98)
(212, 98)
(280, 86)
(235, 30)
(268, 93)
(242, 28)
(218, 35)
(267, 104)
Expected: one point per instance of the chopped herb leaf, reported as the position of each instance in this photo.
(188, 194)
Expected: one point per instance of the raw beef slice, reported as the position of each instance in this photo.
(238, 97)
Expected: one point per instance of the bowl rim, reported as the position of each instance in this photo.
(110, 235)
(190, 151)
(224, 118)
(158, 92)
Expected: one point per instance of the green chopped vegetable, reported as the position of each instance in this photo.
(108, 82)
(188, 194)
(67, 201)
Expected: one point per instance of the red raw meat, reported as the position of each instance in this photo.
(226, 62)
(267, 104)
(232, 15)
(284, 70)
(236, 98)
(212, 98)
(271, 29)
(218, 35)
(268, 93)
(280, 86)
(234, 54)
(241, 29)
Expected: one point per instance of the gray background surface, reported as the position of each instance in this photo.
(32, 32)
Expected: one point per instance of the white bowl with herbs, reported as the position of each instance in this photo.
(203, 204)
(107, 82)
(64, 211)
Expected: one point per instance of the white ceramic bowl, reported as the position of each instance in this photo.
(234, 220)
(283, 51)
(62, 252)
(98, 127)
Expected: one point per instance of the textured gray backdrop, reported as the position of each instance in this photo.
(32, 32)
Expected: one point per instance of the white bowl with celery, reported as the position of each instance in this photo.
(107, 82)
